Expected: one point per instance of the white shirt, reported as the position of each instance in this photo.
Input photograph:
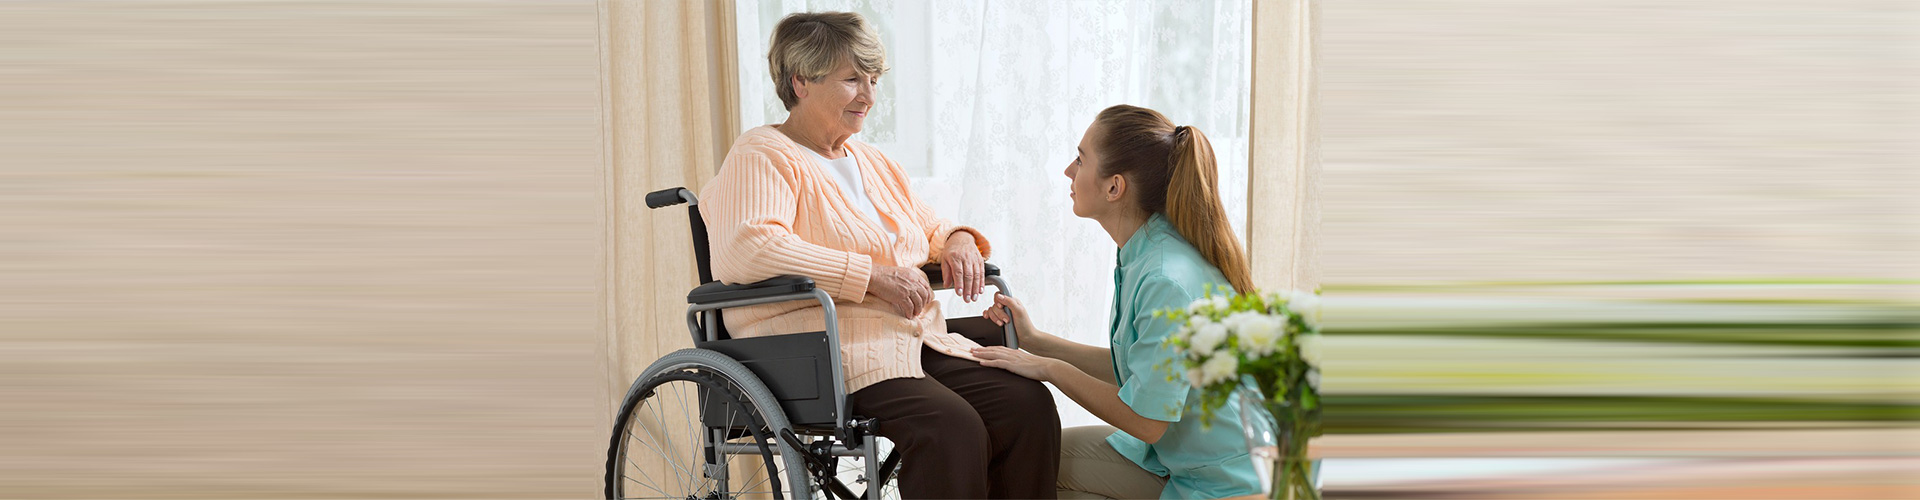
(846, 173)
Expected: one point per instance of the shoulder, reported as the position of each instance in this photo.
(1174, 271)
(762, 145)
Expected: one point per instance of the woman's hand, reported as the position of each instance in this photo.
(1019, 362)
(1005, 309)
(962, 267)
(904, 288)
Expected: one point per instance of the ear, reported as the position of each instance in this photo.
(799, 86)
(1116, 187)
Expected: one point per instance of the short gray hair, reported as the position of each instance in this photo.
(811, 44)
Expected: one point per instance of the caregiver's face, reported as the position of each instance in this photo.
(841, 99)
(1089, 189)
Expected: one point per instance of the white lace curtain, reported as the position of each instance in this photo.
(987, 100)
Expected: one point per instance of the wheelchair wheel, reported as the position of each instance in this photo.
(697, 425)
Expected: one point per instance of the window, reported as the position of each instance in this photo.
(987, 100)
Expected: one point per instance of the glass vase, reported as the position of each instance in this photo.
(1284, 470)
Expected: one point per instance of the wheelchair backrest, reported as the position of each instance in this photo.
(676, 196)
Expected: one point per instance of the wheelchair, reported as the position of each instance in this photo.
(762, 417)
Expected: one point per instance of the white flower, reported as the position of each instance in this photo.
(1260, 334)
(1219, 368)
(1220, 303)
(1309, 348)
(1197, 305)
(1207, 337)
(1306, 304)
(1235, 320)
(1196, 379)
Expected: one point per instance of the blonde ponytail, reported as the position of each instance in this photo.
(1175, 172)
(1194, 208)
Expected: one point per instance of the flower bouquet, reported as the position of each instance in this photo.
(1263, 347)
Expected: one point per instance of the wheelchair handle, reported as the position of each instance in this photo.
(1013, 338)
(993, 279)
(935, 279)
(671, 197)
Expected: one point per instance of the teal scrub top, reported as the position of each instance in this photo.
(1157, 270)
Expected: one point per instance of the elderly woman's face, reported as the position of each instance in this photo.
(841, 99)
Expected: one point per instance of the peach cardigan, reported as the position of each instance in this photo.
(773, 210)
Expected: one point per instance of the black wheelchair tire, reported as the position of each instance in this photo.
(709, 368)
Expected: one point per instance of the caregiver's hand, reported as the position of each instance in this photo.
(1019, 362)
(904, 288)
(1006, 309)
(962, 267)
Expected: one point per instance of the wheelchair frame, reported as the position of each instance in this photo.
(787, 360)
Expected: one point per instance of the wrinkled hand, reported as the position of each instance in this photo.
(1006, 308)
(1019, 362)
(962, 267)
(904, 288)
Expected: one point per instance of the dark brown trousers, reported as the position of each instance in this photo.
(967, 431)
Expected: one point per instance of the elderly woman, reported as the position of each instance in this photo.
(801, 198)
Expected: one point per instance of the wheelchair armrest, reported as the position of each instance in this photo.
(933, 274)
(719, 292)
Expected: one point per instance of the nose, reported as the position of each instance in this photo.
(1069, 171)
(864, 94)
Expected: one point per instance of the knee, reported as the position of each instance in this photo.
(1036, 403)
(1023, 410)
(957, 430)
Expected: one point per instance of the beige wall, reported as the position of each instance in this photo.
(299, 249)
(1521, 140)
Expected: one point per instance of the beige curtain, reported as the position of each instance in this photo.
(1283, 203)
(668, 115)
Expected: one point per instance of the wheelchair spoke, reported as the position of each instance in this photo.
(664, 455)
(669, 461)
(749, 487)
(643, 470)
(655, 449)
(667, 437)
(649, 486)
(643, 473)
(693, 456)
(722, 457)
(668, 457)
(693, 470)
(734, 413)
(759, 477)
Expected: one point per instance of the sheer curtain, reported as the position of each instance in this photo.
(987, 100)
